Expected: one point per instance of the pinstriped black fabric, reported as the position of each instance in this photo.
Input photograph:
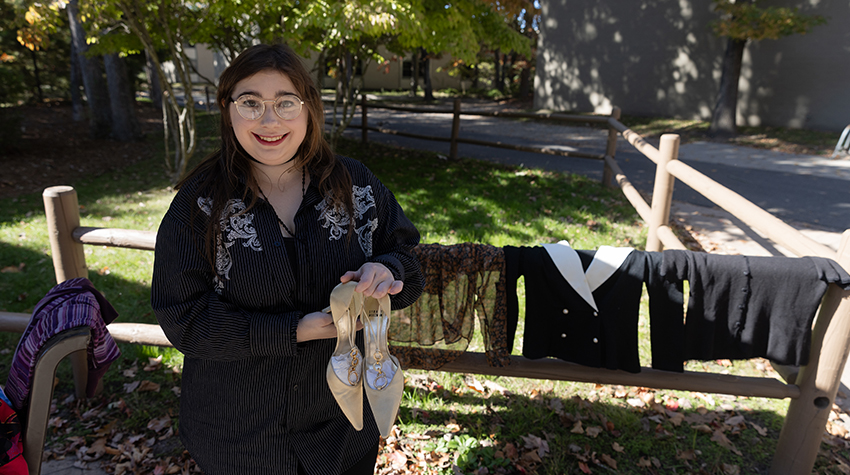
(253, 400)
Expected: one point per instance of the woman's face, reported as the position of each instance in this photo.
(269, 139)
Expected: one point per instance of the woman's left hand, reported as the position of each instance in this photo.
(375, 280)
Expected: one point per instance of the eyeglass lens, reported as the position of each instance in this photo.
(252, 107)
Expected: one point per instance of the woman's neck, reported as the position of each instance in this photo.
(277, 178)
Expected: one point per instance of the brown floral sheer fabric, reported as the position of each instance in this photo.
(464, 284)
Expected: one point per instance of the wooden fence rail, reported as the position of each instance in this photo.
(812, 392)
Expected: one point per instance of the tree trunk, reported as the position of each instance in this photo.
(37, 78)
(414, 80)
(155, 89)
(97, 99)
(76, 98)
(725, 108)
(497, 71)
(320, 70)
(125, 125)
(525, 81)
(429, 90)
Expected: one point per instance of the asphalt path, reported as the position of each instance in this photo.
(797, 198)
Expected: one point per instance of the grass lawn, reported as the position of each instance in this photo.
(448, 423)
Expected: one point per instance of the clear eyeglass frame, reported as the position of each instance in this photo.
(251, 107)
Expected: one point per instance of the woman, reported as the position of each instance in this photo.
(254, 242)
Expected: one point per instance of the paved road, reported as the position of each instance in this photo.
(805, 190)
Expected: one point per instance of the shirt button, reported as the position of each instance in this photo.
(295, 387)
(596, 340)
(746, 272)
(744, 290)
(565, 311)
(595, 314)
(563, 335)
(741, 306)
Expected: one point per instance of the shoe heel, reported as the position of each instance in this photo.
(384, 390)
(345, 377)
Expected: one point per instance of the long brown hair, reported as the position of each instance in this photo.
(227, 171)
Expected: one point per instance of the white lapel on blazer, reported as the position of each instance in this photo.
(605, 262)
(569, 265)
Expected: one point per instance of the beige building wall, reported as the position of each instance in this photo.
(659, 57)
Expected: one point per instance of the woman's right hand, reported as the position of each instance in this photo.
(318, 326)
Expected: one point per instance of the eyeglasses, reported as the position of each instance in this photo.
(251, 107)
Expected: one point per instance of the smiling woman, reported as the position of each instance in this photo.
(248, 317)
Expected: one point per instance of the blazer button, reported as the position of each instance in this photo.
(744, 290)
(565, 311)
(277, 244)
(563, 335)
(596, 340)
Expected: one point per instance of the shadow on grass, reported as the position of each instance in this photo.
(576, 430)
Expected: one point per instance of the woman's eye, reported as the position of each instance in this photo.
(250, 103)
(287, 104)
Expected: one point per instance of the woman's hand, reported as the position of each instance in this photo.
(318, 326)
(375, 280)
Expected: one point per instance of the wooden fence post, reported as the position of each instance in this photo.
(364, 133)
(805, 421)
(611, 151)
(62, 211)
(455, 129)
(63, 216)
(662, 191)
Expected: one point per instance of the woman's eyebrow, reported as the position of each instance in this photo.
(278, 94)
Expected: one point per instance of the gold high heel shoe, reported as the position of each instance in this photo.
(384, 378)
(345, 369)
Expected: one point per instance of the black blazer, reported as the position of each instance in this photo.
(560, 323)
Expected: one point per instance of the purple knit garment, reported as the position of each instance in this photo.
(71, 304)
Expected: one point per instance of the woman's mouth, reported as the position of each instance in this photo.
(270, 139)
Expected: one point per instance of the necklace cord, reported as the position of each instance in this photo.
(285, 227)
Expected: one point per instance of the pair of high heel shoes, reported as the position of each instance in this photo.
(384, 380)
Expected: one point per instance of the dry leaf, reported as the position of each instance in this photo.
(593, 431)
(686, 455)
(655, 462)
(635, 402)
(609, 461)
(577, 428)
(677, 418)
(734, 420)
(154, 363)
(723, 441)
(531, 456)
(729, 469)
(584, 468)
(130, 387)
(703, 428)
(149, 386)
(13, 269)
(397, 459)
(511, 451)
(643, 462)
(159, 423)
(534, 442)
(618, 448)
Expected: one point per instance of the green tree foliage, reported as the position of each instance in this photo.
(748, 21)
(742, 21)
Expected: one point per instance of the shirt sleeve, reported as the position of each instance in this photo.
(394, 240)
(194, 317)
